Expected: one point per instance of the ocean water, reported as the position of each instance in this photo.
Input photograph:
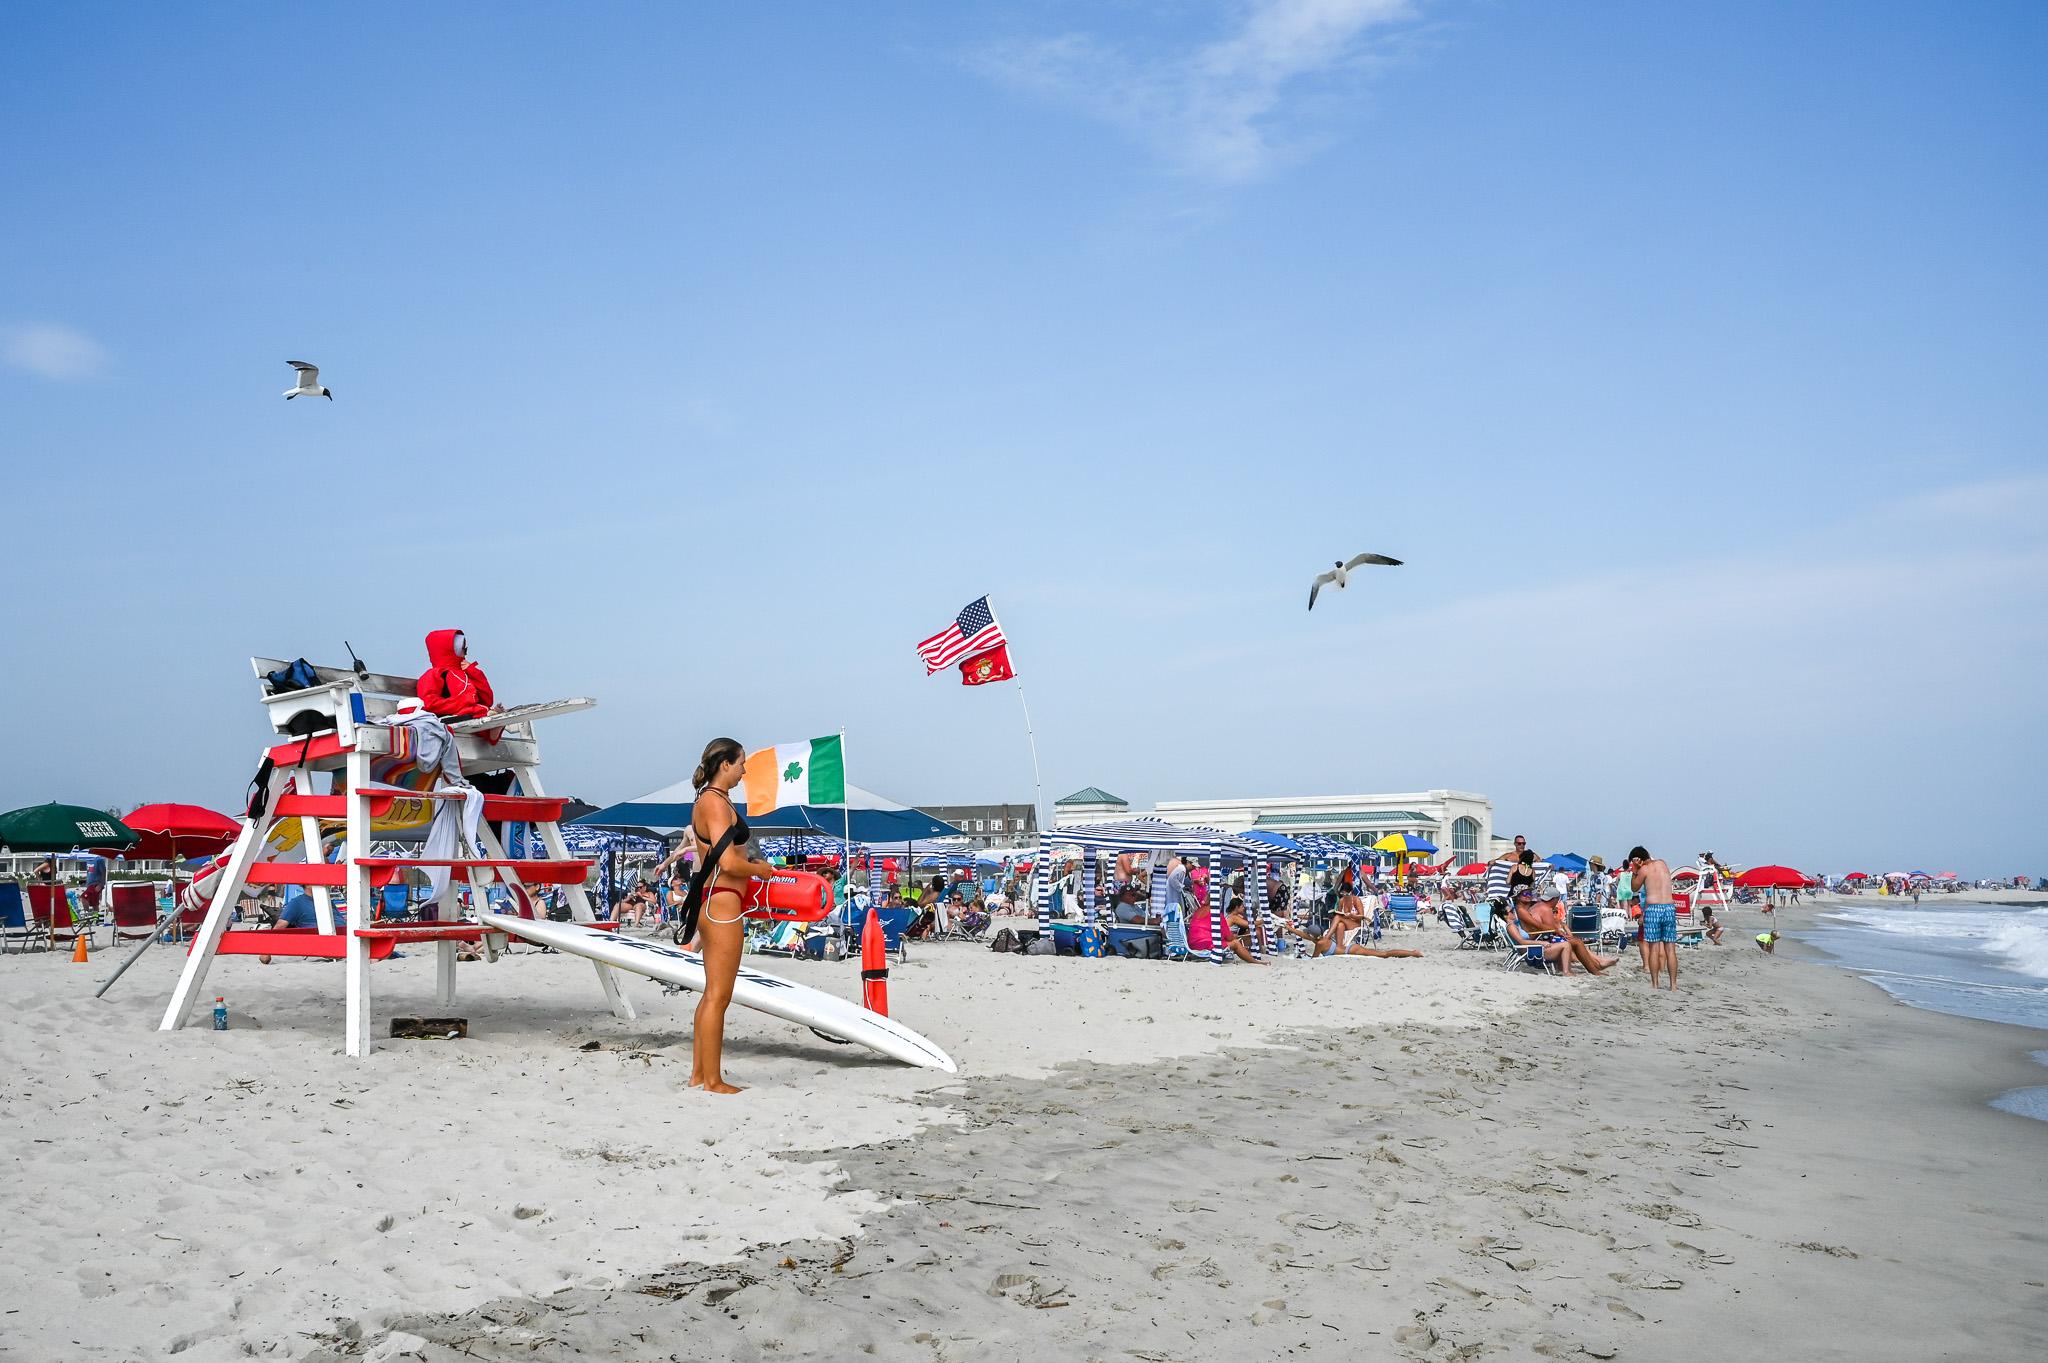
(1959, 956)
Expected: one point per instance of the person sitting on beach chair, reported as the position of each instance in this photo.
(299, 913)
(1544, 914)
(1131, 906)
(1345, 938)
(1235, 930)
(1560, 949)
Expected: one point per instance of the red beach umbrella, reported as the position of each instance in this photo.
(174, 832)
(1477, 868)
(1773, 878)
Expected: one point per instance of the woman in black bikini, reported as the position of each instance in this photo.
(720, 897)
(1524, 877)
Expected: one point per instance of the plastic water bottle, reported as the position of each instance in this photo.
(220, 1015)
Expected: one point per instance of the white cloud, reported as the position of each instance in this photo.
(51, 350)
(1214, 110)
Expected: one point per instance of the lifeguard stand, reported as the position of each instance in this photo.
(345, 708)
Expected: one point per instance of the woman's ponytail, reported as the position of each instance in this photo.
(717, 753)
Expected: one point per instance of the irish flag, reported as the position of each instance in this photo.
(812, 773)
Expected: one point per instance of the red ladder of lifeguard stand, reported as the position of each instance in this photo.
(355, 703)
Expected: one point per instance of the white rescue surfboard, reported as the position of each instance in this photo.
(756, 989)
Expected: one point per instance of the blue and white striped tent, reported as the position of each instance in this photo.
(1326, 848)
(603, 845)
(593, 841)
(807, 845)
(1160, 840)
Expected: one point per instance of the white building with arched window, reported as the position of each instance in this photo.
(1457, 821)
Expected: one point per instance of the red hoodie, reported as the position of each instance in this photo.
(448, 688)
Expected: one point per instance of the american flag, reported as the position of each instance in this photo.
(974, 631)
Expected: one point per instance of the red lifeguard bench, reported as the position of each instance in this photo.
(345, 710)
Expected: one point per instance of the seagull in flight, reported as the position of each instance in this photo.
(309, 382)
(1341, 574)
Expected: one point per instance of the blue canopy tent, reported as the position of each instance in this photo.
(1566, 861)
(1279, 840)
(867, 818)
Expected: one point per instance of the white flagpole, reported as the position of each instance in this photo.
(1037, 782)
(846, 809)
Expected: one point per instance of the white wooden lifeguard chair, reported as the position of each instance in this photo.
(346, 707)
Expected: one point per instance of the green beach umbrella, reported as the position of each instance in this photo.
(59, 828)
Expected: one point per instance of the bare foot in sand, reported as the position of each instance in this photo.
(720, 1087)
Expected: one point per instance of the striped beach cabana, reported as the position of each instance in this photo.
(808, 845)
(1159, 840)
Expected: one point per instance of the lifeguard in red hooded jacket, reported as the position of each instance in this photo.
(454, 687)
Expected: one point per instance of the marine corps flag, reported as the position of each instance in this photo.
(994, 665)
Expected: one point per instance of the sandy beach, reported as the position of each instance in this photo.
(1138, 1160)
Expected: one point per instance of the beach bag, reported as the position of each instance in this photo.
(259, 790)
(293, 676)
(306, 723)
(1044, 946)
(1004, 940)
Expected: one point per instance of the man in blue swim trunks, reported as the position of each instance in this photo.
(1652, 880)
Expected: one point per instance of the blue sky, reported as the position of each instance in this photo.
(705, 358)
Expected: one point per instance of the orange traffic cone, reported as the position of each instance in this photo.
(874, 966)
(78, 951)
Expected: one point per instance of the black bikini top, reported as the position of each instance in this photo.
(740, 831)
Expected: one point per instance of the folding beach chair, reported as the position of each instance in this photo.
(1453, 917)
(188, 922)
(1522, 950)
(969, 925)
(1691, 930)
(893, 921)
(1616, 927)
(1584, 922)
(1485, 930)
(16, 928)
(1402, 907)
(134, 909)
(67, 924)
(1175, 929)
(41, 910)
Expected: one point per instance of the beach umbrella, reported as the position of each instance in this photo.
(1857, 875)
(1567, 861)
(1279, 840)
(59, 828)
(171, 832)
(1404, 846)
(1406, 843)
(1946, 875)
(1772, 878)
(1476, 868)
